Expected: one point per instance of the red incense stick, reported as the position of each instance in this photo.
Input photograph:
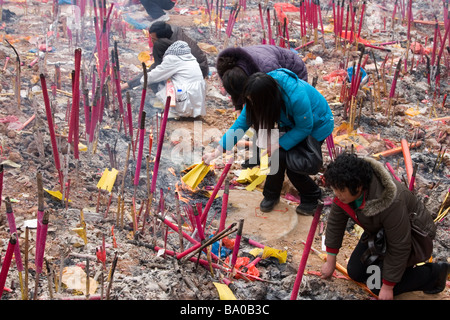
(7, 262)
(160, 144)
(216, 189)
(306, 251)
(51, 129)
(141, 150)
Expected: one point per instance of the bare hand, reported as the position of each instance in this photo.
(208, 157)
(328, 267)
(386, 292)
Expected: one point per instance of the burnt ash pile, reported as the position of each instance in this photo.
(126, 262)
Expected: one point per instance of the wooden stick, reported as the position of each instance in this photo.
(394, 151)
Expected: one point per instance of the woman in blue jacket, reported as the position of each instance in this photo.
(236, 64)
(280, 100)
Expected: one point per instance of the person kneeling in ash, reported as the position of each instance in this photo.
(366, 192)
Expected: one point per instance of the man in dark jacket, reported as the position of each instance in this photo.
(235, 65)
(163, 30)
(366, 192)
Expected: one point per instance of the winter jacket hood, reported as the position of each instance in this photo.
(264, 58)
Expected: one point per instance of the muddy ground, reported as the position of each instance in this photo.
(134, 268)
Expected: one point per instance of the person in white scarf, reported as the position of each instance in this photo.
(182, 68)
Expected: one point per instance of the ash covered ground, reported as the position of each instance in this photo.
(134, 267)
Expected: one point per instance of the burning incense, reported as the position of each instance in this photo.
(306, 251)
(7, 261)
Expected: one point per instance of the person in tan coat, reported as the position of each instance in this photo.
(366, 193)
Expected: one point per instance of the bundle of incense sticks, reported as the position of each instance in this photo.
(234, 12)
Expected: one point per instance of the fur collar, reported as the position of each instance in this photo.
(382, 191)
(242, 59)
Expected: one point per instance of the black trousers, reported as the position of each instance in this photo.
(417, 278)
(308, 190)
(155, 8)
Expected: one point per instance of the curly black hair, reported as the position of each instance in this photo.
(349, 171)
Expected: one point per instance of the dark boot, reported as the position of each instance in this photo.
(306, 209)
(267, 205)
(442, 272)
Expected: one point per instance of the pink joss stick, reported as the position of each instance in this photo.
(413, 178)
(237, 244)
(216, 189)
(306, 251)
(40, 210)
(119, 96)
(1, 183)
(262, 23)
(13, 230)
(40, 247)
(130, 116)
(160, 143)
(141, 149)
(223, 214)
(7, 262)
(388, 165)
(269, 28)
